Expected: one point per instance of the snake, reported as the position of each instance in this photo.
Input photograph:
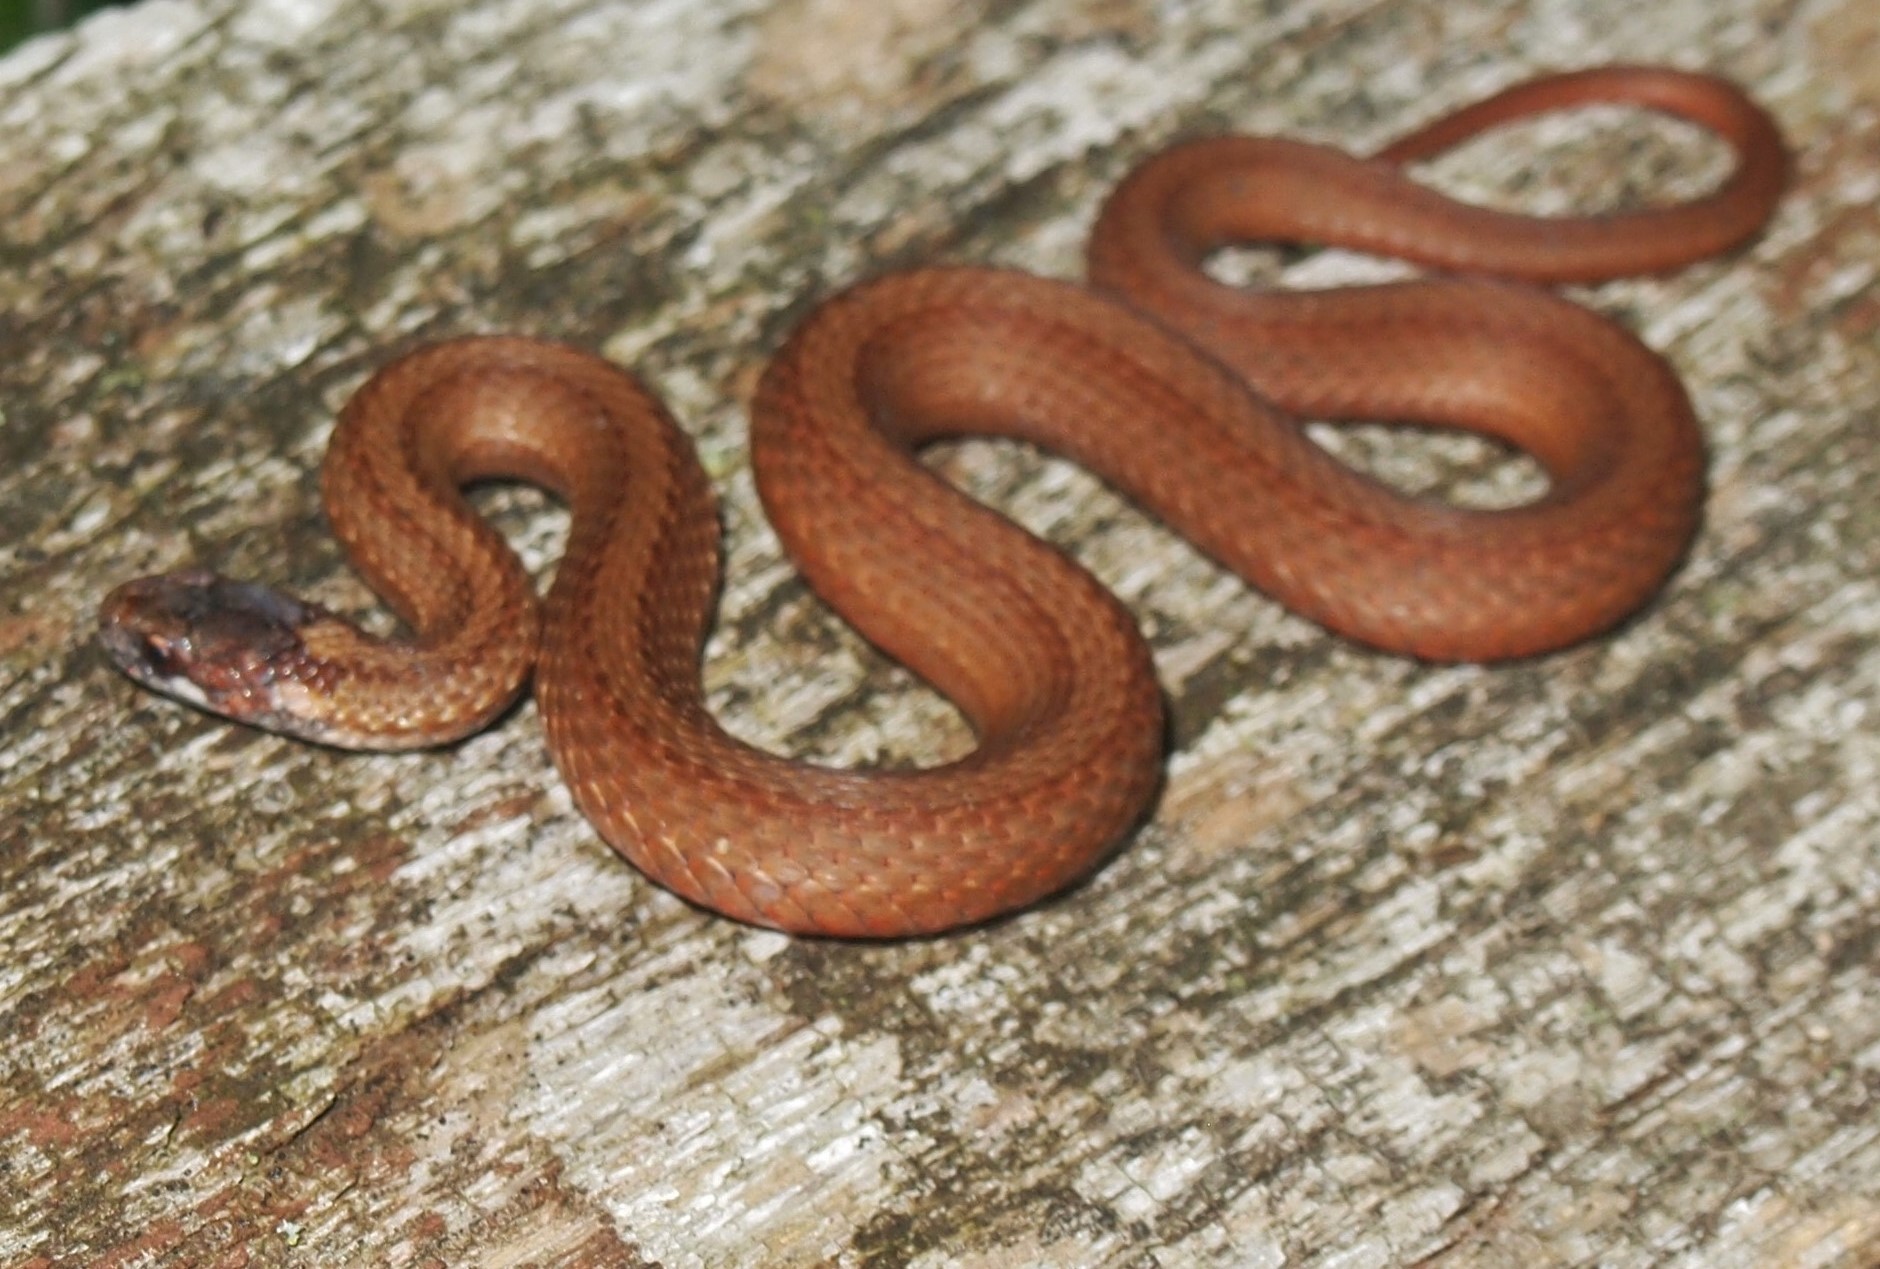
(1179, 390)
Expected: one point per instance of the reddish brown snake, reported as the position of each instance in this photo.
(1048, 667)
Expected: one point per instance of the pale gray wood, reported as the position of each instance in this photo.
(1565, 962)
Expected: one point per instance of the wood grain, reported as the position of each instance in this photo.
(1563, 962)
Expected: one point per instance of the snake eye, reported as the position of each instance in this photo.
(160, 655)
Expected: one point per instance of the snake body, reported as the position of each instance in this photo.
(1144, 380)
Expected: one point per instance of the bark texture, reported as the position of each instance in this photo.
(1564, 962)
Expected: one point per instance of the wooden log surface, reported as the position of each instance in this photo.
(1570, 961)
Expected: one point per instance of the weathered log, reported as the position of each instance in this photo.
(1566, 961)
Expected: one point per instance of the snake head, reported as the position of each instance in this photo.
(231, 648)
